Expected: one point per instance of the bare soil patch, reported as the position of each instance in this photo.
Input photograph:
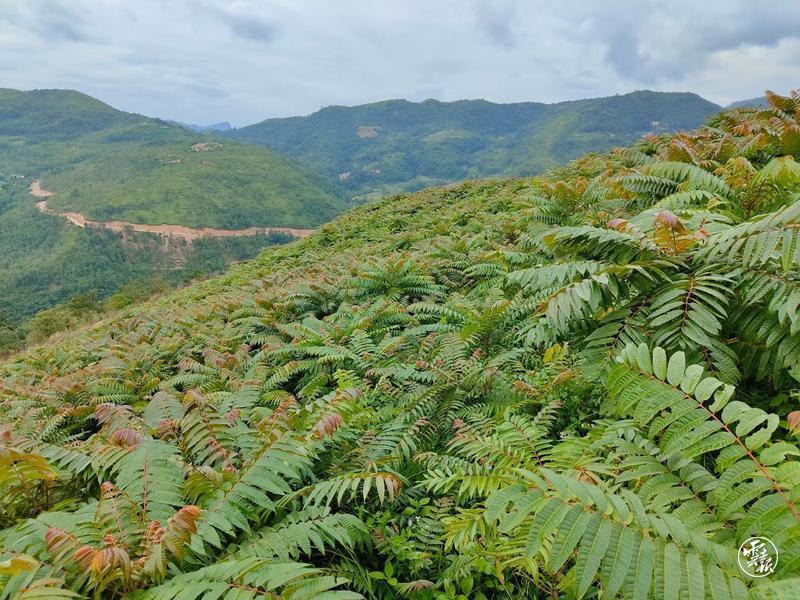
(36, 190)
(367, 131)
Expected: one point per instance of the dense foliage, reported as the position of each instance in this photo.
(578, 385)
(398, 145)
(109, 164)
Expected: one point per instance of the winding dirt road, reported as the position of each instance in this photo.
(187, 233)
(36, 190)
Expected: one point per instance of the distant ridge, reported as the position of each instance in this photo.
(221, 126)
(40, 115)
(398, 145)
(760, 102)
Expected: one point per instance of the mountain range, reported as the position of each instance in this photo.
(397, 145)
(221, 126)
(91, 162)
(759, 102)
(94, 164)
(108, 164)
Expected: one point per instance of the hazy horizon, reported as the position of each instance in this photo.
(243, 61)
(266, 117)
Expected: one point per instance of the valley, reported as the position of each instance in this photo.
(129, 200)
(46, 261)
(179, 231)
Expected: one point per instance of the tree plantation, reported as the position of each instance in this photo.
(580, 385)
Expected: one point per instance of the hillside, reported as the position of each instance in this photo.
(45, 260)
(399, 145)
(47, 115)
(579, 383)
(107, 164)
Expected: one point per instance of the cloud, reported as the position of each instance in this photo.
(59, 22)
(252, 29)
(246, 60)
(495, 20)
(726, 73)
(244, 21)
(651, 41)
(49, 19)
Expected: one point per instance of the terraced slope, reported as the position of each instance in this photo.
(581, 384)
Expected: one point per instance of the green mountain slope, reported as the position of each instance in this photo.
(112, 165)
(395, 145)
(46, 115)
(108, 164)
(44, 260)
(575, 385)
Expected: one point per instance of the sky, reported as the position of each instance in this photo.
(242, 61)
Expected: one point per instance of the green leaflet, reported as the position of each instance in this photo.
(593, 545)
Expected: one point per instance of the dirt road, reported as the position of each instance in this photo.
(181, 231)
(36, 190)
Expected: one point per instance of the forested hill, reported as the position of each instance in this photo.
(108, 164)
(47, 115)
(397, 145)
(578, 385)
(111, 165)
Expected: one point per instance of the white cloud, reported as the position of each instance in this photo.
(727, 72)
(245, 60)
